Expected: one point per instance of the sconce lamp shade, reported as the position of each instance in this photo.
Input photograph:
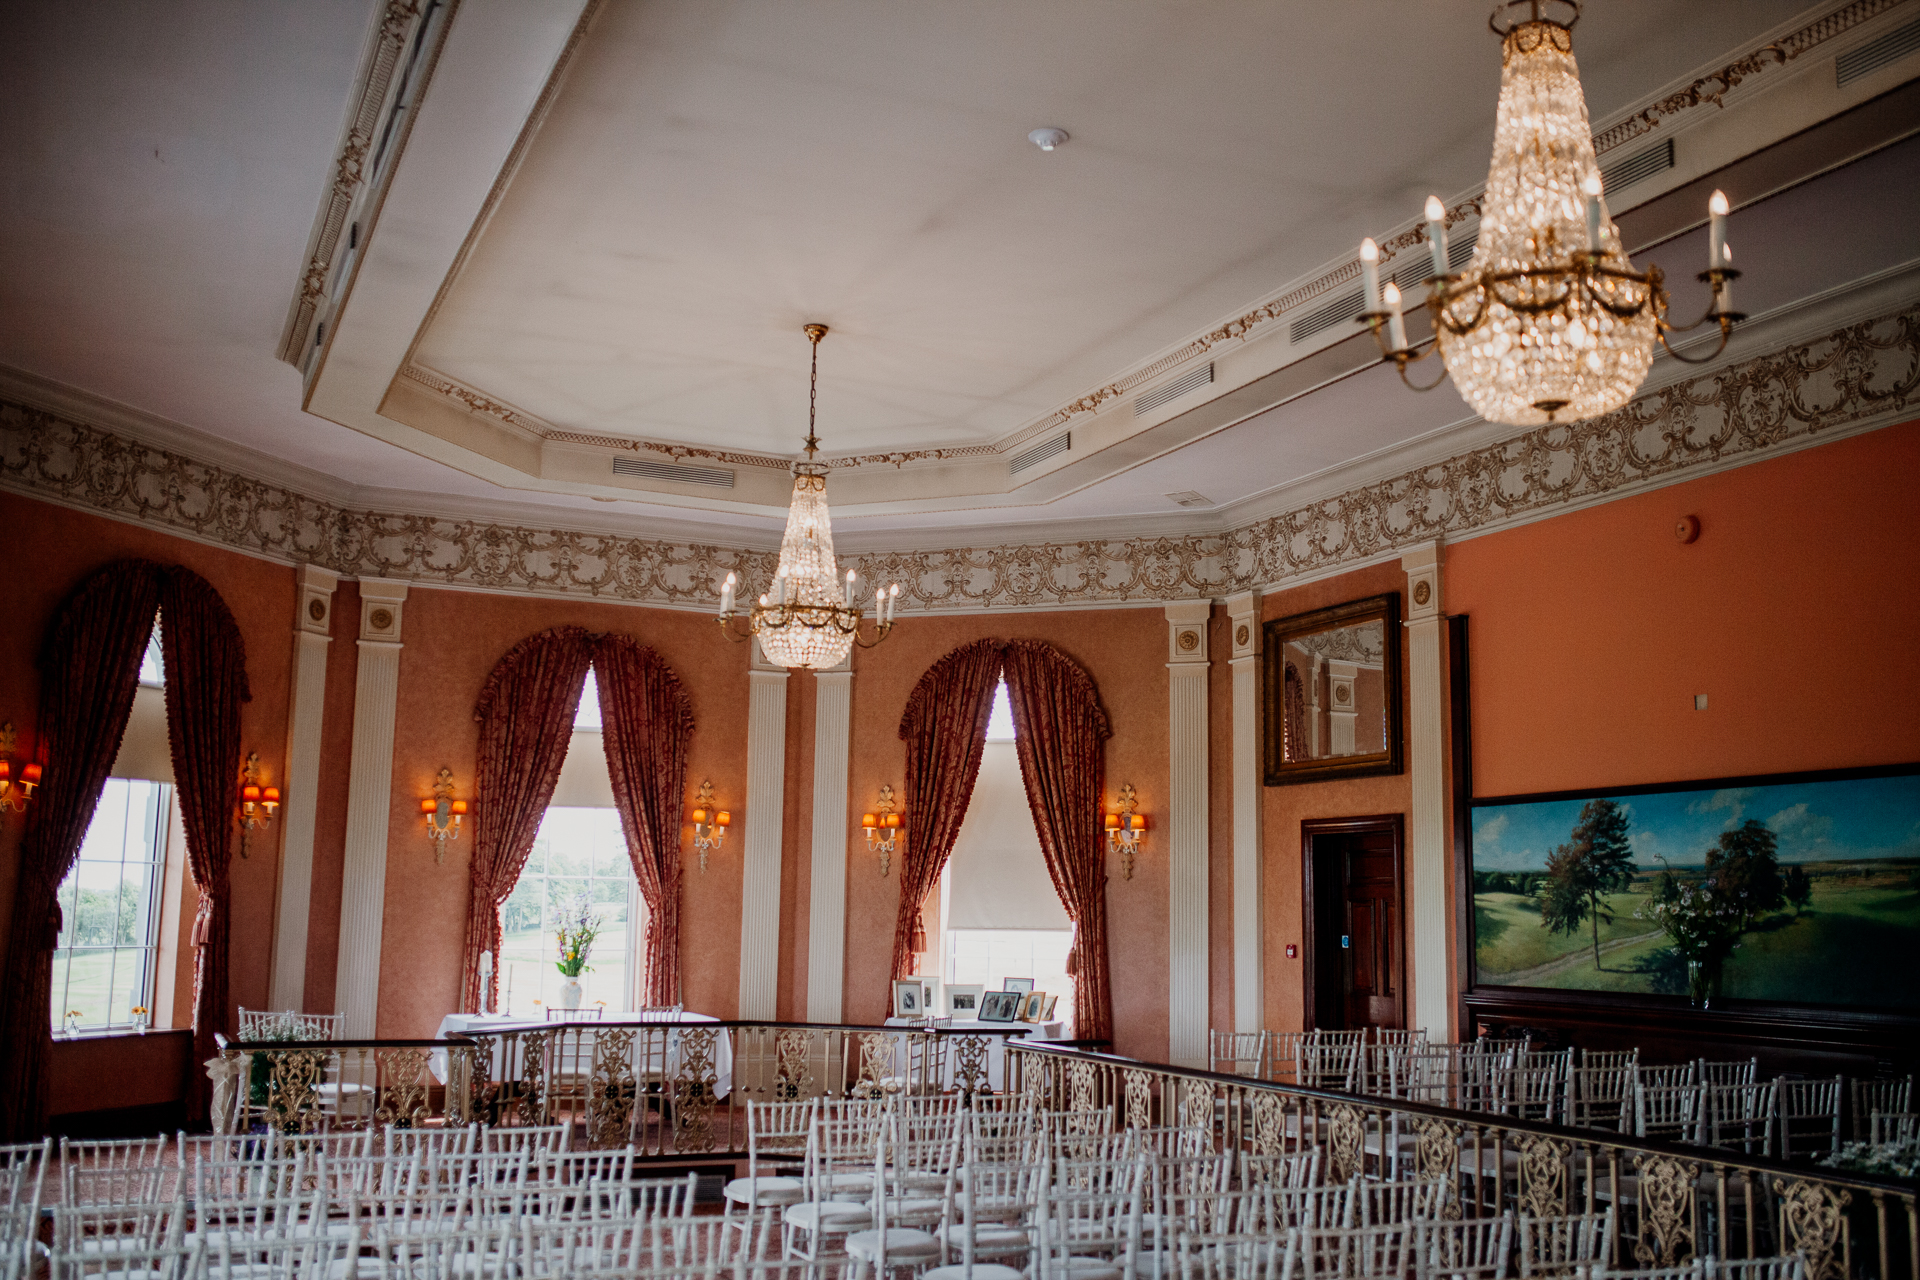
(429, 806)
(459, 806)
(29, 774)
(893, 820)
(270, 794)
(250, 794)
(1139, 822)
(1113, 822)
(725, 819)
(867, 820)
(700, 816)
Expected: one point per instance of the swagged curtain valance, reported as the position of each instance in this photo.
(1060, 735)
(526, 712)
(89, 667)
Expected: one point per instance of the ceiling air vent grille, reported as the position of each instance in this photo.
(646, 469)
(1041, 452)
(1347, 306)
(1147, 401)
(1190, 498)
(1640, 165)
(1875, 54)
(1324, 317)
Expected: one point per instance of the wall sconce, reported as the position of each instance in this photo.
(14, 794)
(709, 824)
(1125, 829)
(257, 803)
(881, 827)
(443, 814)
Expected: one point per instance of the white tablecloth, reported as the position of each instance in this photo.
(471, 1023)
(996, 1045)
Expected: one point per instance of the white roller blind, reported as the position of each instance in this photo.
(997, 878)
(584, 780)
(143, 751)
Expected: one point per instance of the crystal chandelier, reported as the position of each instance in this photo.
(1549, 321)
(808, 619)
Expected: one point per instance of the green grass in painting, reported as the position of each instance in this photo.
(1846, 948)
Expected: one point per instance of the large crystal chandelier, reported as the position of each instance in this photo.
(1549, 321)
(809, 618)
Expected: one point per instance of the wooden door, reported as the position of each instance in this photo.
(1355, 946)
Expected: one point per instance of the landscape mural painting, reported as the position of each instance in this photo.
(1801, 889)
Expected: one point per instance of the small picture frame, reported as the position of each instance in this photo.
(909, 998)
(1032, 1006)
(1047, 1015)
(963, 1000)
(1001, 1006)
(1022, 985)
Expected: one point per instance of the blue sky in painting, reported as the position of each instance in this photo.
(1815, 821)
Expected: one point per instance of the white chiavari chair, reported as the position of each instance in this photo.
(815, 1227)
(1283, 1055)
(1807, 1117)
(1600, 1094)
(123, 1170)
(1889, 1094)
(533, 1139)
(1314, 1207)
(1893, 1126)
(1533, 1092)
(1089, 1228)
(1694, 1270)
(1333, 1059)
(1667, 1075)
(1239, 1053)
(1737, 1071)
(1380, 1204)
(1737, 1117)
(1168, 1141)
(1791, 1266)
(993, 1204)
(289, 1256)
(1281, 1172)
(1667, 1112)
(902, 1214)
(482, 1251)
(145, 1262)
(1556, 1246)
(106, 1227)
(1463, 1249)
(1349, 1253)
(23, 1175)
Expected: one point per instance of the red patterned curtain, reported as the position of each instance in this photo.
(526, 720)
(89, 667)
(206, 666)
(1059, 734)
(647, 721)
(945, 729)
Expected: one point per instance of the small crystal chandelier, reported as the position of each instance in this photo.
(808, 619)
(1549, 321)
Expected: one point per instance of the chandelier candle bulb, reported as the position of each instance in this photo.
(1437, 235)
(1723, 296)
(1717, 209)
(849, 603)
(1396, 322)
(1592, 189)
(726, 595)
(1370, 272)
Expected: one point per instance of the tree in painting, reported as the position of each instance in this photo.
(1596, 860)
(1744, 864)
(1797, 887)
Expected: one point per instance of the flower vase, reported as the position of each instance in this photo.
(570, 994)
(1703, 982)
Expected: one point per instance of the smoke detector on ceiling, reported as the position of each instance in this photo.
(1188, 498)
(1048, 138)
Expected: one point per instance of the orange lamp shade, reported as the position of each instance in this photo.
(700, 815)
(249, 794)
(1139, 822)
(893, 820)
(271, 795)
(1113, 822)
(725, 819)
(867, 820)
(6, 771)
(29, 774)
(459, 807)
(429, 806)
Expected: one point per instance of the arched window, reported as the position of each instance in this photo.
(108, 959)
(580, 855)
(1000, 913)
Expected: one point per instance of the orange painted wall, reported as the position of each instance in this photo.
(58, 549)
(1284, 808)
(1592, 632)
(452, 641)
(1125, 652)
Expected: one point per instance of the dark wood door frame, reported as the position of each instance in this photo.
(1393, 823)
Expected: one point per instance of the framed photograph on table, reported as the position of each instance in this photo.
(963, 1000)
(909, 998)
(1033, 1004)
(1047, 1015)
(1001, 1006)
(1022, 985)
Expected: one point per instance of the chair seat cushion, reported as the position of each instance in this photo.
(981, 1271)
(765, 1190)
(1086, 1268)
(988, 1237)
(904, 1244)
(828, 1215)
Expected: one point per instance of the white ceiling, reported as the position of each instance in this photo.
(713, 175)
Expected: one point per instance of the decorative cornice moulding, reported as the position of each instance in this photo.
(1855, 379)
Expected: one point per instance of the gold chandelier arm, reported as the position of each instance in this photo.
(1404, 361)
(879, 634)
(1441, 308)
(728, 630)
(1726, 332)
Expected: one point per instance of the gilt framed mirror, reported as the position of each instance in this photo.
(1331, 693)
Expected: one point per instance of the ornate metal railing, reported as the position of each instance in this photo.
(668, 1088)
(1670, 1202)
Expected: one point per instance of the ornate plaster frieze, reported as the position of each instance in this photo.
(1861, 375)
(397, 22)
